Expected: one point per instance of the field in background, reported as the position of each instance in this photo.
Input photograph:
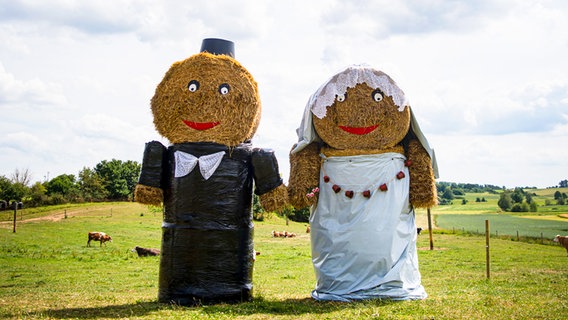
(47, 272)
(543, 225)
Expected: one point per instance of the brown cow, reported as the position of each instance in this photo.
(563, 240)
(98, 236)
(144, 252)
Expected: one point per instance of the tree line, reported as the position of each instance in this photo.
(112, 180)
(115, 180)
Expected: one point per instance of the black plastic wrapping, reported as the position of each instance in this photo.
(266, 173)
(152, 170)
(207, 246)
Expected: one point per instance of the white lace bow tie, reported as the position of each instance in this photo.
(185, 163)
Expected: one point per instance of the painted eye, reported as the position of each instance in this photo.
(377, 95)
(193, 85)
(224, 88)
(341, 97)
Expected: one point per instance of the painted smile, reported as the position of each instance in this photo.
(200, 125)
(359, 130)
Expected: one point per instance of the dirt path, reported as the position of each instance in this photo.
(57, 216)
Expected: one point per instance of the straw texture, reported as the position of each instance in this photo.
(359, 110)
(423, 193)
(236, 113)
(148, 195)
(304, 175)
(275, 199)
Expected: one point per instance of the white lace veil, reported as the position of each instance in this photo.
(337, 85)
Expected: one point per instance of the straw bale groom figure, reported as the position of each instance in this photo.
(208, 107)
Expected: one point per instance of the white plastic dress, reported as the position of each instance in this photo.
(364, 247)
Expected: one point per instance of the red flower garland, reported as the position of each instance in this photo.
(367, 193)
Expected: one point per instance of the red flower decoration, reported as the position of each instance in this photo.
(336, 188)
(349, 194)
(383, 187)
(325, 179)
(400, 175)
(367, 193)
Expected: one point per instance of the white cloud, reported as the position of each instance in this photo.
(486, 79)
(30, 93)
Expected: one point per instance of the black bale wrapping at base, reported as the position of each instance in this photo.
(216, 266)
(207, 241)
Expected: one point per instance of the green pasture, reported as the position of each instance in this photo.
(470, 217)
(490, 206)
(47, 272)
(501, 224)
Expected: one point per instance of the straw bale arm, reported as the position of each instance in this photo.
(275, 199)
(148, 195)
(423, 192)
(304, 175)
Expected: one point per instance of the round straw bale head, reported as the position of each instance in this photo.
(363, 120)
(207, 98)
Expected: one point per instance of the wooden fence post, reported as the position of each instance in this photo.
(15, 216)
(430, 229)
(487, 256)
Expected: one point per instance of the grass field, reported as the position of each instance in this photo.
(504, 225)
(547, 222)
(47, 272)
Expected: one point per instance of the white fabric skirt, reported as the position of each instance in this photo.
(364, 246)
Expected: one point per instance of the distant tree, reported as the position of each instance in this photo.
(300, 215)
(518, 195)
(12, 191)
(258, 212)
(5, 188)
(19, 191)
(37, 195)
(448, 194)
(464, 201)
(520, 207)
(525, 207)
(297, 215)
(533, 207)
(458, 192)
(63, 184)
(560, 197)
(505, 202)
(478, 199)
(91, 185)
(21, 176)
(529, 197)
(119, 177)
(563, 184)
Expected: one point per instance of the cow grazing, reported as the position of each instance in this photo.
(277, 234)
(563, 240)
(98, 236)
(283, 234)
(289, 234)
(145, 252)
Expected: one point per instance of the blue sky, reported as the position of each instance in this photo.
(487, 80)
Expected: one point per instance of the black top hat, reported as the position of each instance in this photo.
(218, 46)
